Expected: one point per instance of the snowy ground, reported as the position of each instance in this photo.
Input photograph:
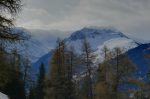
(3, 96)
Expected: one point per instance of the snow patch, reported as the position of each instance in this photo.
(123, 43)
(3, 96)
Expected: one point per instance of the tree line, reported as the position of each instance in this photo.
(113, 78)
(12, 75)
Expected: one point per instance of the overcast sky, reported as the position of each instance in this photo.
(129, 16)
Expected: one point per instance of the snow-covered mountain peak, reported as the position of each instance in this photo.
(92, 32)
(42, 42)
(97, 37)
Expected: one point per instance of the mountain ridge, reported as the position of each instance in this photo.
(98, 38)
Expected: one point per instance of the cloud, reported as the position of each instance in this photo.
(129, 16)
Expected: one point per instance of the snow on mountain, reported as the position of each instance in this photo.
(124, 43)
(98, 38)
(40, 43)
(43, 41)
(39, 47)
(3, 96)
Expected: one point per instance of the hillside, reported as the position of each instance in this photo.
(98, 38)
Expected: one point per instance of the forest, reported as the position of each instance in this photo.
(112, 78)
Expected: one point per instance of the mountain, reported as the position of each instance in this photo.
(40, 43)
(39, 47)
(98, 38)
(139, 57)
(101, 37)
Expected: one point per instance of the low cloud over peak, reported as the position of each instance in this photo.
(129, 16)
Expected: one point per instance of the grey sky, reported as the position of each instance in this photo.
(129, 16)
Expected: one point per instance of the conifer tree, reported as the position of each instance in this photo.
(11, 8)
(40, 83)
(32, 90)
(11, 80)
(59, 84)
(122, 68)
(15, 88)
(56, 82)
(70, 62)
(102, 84)
(32, 93)
(88, 57)
(116, 69)
(5, 74)
(84, 89)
